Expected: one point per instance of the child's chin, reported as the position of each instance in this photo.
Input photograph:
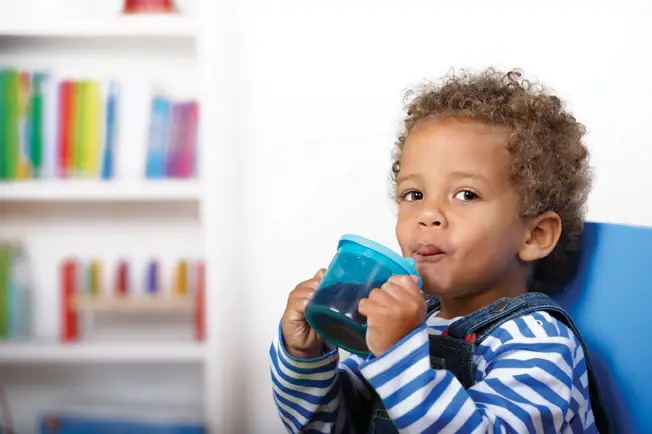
(434, 286)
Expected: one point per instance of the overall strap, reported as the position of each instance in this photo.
(483, 322)
(432, 305)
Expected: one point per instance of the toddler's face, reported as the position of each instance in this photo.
(458, 214)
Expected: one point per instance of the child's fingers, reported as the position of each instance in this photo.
(319, 275)
(381, 296)
(393, 292)
(302, 293)
(407, 282)
(366, 306)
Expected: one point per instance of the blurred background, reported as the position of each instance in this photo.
(171, 170)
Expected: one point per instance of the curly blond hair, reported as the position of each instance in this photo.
(549, 163)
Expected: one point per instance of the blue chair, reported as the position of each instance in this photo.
(610, 300)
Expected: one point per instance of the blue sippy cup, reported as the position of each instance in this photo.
(359, 266)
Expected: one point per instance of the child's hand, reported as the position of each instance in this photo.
(301, 341)
(392, 311)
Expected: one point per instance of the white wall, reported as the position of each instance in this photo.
(319, 104)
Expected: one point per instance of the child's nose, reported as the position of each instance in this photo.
(431, 217)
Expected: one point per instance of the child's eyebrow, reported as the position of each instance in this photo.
(471, 175)
(407, 177)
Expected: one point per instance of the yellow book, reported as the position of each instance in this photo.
(24, 164)
(91, 128)
(95, 277)
(181, 284)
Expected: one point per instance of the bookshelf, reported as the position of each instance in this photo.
(112, 27)
(183, 54)
(81, 191)
(30, 354)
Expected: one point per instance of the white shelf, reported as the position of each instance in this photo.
(99, 191)
(134, 304)
(117, 26)
(105, 352)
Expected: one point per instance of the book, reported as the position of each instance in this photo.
(50, 126)
(78, 121)
(172, 149)
(110, 130)
(66, 123)
(36, 124)
(24, 169)
(71, 423)
(10, 138)
(159, 138)
(91, 140)
(69, 279)
(5, 282)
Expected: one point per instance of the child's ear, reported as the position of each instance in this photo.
(541, 236)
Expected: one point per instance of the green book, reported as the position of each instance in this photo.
(10, 139)
(2, 134)
(5, 267)
(36, 124)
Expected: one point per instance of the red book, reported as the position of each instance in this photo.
(69, 331)
(148, 6)
(187, 158)
(200, 301)
(66, 101)
(122, 287)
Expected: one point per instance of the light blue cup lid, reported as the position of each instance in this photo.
(406, 264)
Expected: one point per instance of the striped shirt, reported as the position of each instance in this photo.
(530, 376)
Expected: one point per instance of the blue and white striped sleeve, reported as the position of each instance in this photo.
(320, 395)
(530, 376)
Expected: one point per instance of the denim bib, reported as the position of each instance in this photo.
(453, 350)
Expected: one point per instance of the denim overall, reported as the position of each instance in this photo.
(454, 349)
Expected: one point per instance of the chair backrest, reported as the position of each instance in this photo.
(610, 300)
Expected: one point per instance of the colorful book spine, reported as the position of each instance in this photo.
(159, 136)
(69, 330)
(36, 124)
(91, 129)
(110, 133)
(95, 277)
(78, 121)
(24, 170)
(122, 279)
(2, 109)
(173, 138)
(5, 282)
(66, 123)
(19, 295)
(181, 283)
(152, 284)
(10, 135)
(174, 149)
(14, 292)
(200, 302)
(188, 140)
(50, 126)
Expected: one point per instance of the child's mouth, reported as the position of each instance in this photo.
(428, 252)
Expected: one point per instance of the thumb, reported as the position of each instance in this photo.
(415, 278)
(319, 275)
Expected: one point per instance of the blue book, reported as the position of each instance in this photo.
(110, 131)
(18, 297)
(77, 424)
(159, 138)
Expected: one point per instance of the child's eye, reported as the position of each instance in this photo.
(412, 195)
(466, 195)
